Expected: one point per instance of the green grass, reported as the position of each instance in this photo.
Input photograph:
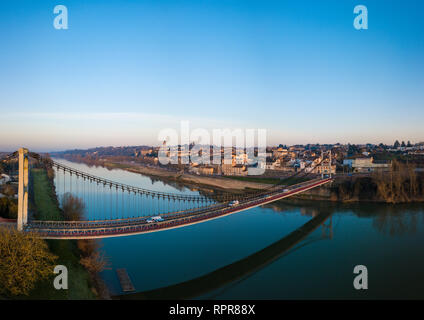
(44, 200)
(116, 165)
(79, 286)
(295, 180)
(257, 180)
(283, 181)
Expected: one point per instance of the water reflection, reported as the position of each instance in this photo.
(392, 220)
(388, 239)
(239, 270)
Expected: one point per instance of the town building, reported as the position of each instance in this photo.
(4, 178)
(365, 164)
(325, 168)
(234, 170)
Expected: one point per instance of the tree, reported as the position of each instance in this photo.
(24, 260)
(9, 190)
(8, 208)
(397, 144)
(352, 149)
(95, 263)
(73, 207)
(88, 246)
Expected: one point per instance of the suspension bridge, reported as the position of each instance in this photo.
(117, 209)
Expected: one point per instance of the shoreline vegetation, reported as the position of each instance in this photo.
(45, 206)
(402, 185)
(222, 183)
(81, 257)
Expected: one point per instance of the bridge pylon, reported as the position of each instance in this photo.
(329, 164)
(23, 189)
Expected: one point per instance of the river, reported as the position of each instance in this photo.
(387, 239)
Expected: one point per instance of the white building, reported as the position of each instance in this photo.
(367, 165)
(4, 178)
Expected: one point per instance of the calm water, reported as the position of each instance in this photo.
(388, 240)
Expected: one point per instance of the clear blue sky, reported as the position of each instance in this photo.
(126, 69)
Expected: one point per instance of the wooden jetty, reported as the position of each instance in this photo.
(125, 280)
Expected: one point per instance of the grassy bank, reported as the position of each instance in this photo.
(285, 181)
(46, 207)
(252, 179)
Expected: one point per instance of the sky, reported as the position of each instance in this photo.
(124, 70)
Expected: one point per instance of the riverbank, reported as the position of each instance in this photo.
(370, 188)
(190, 179)
(404, 186)
(361, 188)
(45, 207)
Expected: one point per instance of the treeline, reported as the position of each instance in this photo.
(8, 203)
(127, 151)
(8, 208)
(107, 161)
(71, 208)
(91, 257)
(403, 184)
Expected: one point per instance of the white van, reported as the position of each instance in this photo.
(233, 203)
(155, 219)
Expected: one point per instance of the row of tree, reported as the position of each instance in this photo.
(92, 258)
(403, 184)
(26, 259)
(397, 144)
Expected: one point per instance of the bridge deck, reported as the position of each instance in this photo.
(8, 223)
(116, 228)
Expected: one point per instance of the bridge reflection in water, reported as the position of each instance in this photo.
(237, 270)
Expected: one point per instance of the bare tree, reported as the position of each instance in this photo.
(73, 207)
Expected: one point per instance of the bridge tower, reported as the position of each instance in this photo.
(322, 163)
(23, 189)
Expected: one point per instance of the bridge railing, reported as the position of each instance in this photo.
(125, 187)
(169, 216)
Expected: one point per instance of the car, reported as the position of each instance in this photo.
(233, 203)
(155, 219)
